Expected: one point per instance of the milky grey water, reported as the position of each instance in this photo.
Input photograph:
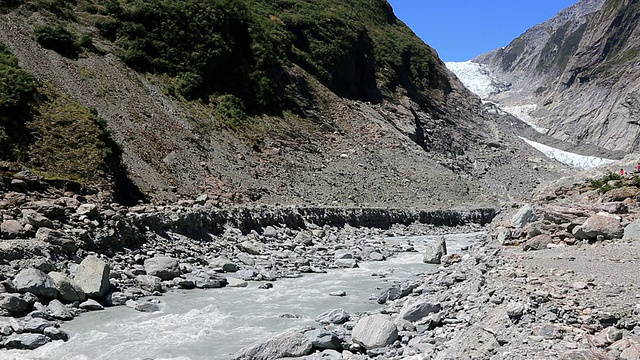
(216, 323)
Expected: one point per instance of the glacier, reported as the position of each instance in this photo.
(479, 80)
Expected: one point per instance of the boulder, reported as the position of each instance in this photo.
(396, 292)
(323, 339)
(14, 303)
(68, 289)
(37, 325)
(346, 263)
(632, 231)
(434, 251)
(116, 298)
(522, 217)
(539, 242)
(11, 229)
(607, 226)
(35, 219)
(56, 237)
(290, 343)
(56, 334)
(58, 311)
(418, 309)
(222, 263)
(164, 267)
(252, 248)
(336, 316)
(91, 304)
(149, 282)
(621, 193)
(147, 306)
(36, 282)
(25, 341)
(375, 331)
(93, 277)
(89, 210)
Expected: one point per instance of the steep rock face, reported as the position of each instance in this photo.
(406, 134)
(581, 72)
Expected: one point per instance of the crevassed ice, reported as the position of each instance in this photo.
(579, 161)
(475, 77)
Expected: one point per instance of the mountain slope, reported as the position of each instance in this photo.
(584, 80)
(294, 102)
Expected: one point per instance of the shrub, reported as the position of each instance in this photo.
(58, 39)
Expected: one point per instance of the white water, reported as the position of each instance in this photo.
(216, 323)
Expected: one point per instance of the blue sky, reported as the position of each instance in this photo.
(462, 29)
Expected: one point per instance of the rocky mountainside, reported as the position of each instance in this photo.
(318, 104)
(580, 70)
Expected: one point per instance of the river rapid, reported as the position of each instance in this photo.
(215, 324)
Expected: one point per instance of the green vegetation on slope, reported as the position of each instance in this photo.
(243, 48)
(50, 133)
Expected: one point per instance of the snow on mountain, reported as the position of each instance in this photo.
(565, 157)
(477, 78)
(523, 112)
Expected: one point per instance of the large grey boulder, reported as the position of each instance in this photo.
(25, 341)
(164, 267)
(434, 251)
(223, 263)
(522, 217)
(632, 231)
(35, 219)
(11, 229)
(336, 316)
(58, 311)
(69, 289)
(375, 331)
(93, 277)
(149, 282)
(607, 226)
(418, 309)
(35, 282)
(14, 303)
(323, 339)
(250, 247)
(37, 325)
(290, 343)
(396, 292)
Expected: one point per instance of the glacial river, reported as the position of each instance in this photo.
(216, 323)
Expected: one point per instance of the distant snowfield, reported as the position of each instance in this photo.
(478, 78)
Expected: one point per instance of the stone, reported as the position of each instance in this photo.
(55, 334)
(290, 343)
(222, 263)
(338, 293)
(11, 229)
(234, 282)
(59, 311)
(323, 339)
(270, 232)
(36, 219)
(14, 304)
(346, 263)
(56, 237)
(116, 298)
(396, 292)
(375, 331)
(68, 289)
(515, 310)
(164, 267)
(250, 247)
(89, 210)
(37, 325)
(36, 282)
(434, 251)
(25, 341)
(418, 309)
(149, 282)
(303, 239)
(336, 316)
(93, 277)
(91, 304)
(538, 242)
(621, 193)
(632, 231)
(607, 226)
(148, 306)
(522, 217)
